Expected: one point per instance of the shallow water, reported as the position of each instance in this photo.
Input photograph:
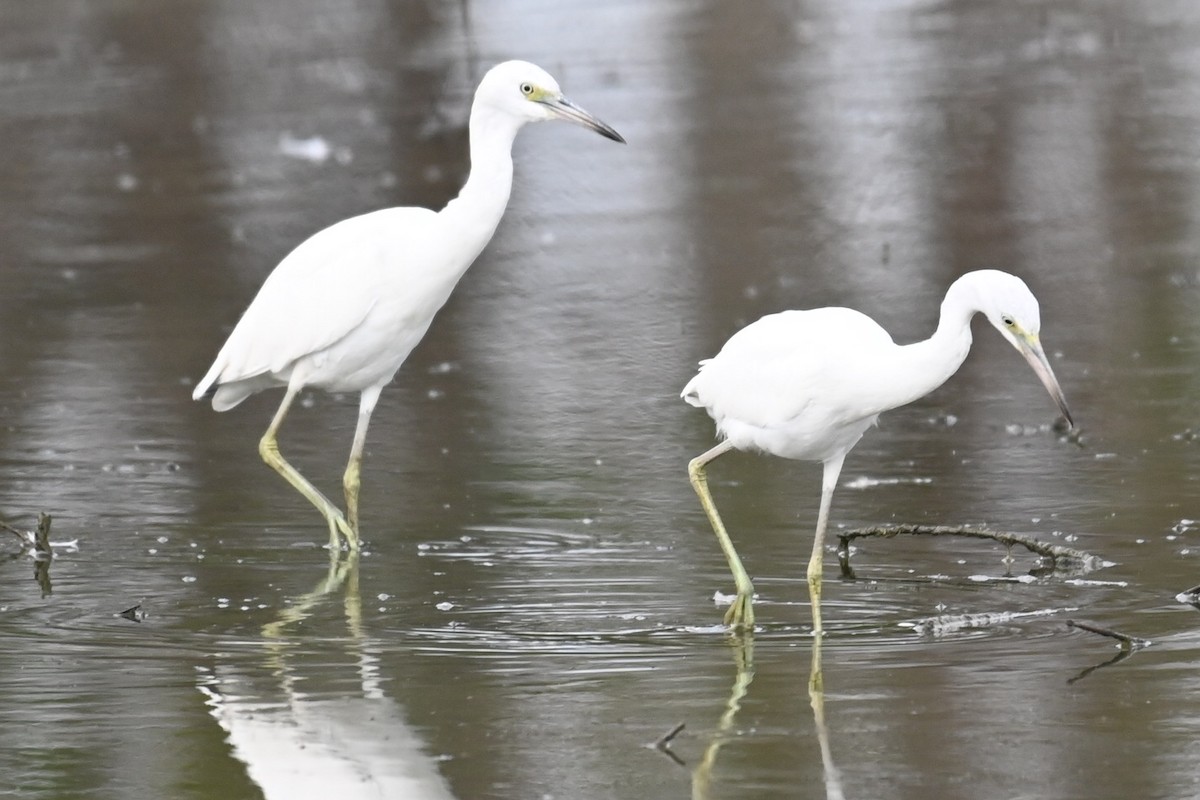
(536, 601)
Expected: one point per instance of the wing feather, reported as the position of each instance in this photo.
(773, 370)
(318, 294)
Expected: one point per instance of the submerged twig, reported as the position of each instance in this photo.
(1056, 553)
(38, 540)
(947, 624)
(1191, 597)
(1127, 642)
(17, 532)
(41, 537)
(1129, 645)
(663, 745)
(133, 614)
(665, 739)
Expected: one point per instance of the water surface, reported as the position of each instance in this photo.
(535, 603)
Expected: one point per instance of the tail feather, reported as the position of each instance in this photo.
(691, 392)
(208, 384)
(227, 395)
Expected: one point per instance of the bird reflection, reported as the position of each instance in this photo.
(816, 698)
(299, 743)
(343, 569)
(743, 658)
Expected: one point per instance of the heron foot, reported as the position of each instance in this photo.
(339, 528)
(740, 616)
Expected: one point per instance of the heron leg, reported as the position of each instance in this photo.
(833, 468)
(741, 613)
(268, 448)
(351, 481)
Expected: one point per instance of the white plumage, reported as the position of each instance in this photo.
(326, 309)
(344, 309)
(806, 385)
(767, 391)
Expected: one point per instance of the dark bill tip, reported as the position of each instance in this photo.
(567, 110)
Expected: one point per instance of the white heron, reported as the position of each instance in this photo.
(345, 308)
(806, 385)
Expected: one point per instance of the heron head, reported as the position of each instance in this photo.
(529, 93)
(1008, 305)
(1013, 310)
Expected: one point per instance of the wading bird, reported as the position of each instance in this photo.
(344, 309)
(806, 385)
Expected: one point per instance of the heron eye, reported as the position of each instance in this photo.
(526, 89)
(1009, 321)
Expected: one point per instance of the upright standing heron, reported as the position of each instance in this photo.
(344, 309)
(807, 384)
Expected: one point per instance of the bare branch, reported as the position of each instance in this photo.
(663, 745)
(20, 534)
(1127, 642)
(1058, 555)
(665, 739)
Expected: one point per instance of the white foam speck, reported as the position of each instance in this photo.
(864, 482)
(314, 149)
(722, 599)
(1013, 579)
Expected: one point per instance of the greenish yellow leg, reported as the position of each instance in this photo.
(814, 585)
(741, 613)
(352, 480)
(351, 483)
(268, 448)
(833, 468)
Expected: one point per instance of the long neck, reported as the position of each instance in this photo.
(921, 367)
(471, 218)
